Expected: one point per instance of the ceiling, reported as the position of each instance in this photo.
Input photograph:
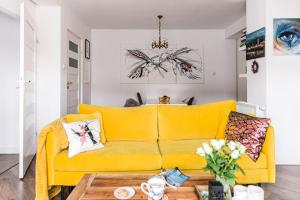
(141, 14)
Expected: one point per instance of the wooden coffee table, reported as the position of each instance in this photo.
(102, 187)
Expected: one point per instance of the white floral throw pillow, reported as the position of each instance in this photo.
(83, 136)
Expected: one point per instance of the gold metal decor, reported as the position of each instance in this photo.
(164, 100)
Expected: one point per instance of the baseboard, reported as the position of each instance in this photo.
(288, 160)
(8, 150)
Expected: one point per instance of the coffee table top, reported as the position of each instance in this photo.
(102, 187)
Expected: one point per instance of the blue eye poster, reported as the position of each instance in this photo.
(286, 36)
(255, 44)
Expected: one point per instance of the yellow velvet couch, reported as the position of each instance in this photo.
(149, 138)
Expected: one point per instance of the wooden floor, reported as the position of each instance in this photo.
(7, 161)
(287, 185)
(11, 188)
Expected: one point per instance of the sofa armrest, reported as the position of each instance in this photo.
(56, 141)
(51, 140)
(269, 150)
(52, 149)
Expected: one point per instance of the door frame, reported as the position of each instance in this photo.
(80, 65)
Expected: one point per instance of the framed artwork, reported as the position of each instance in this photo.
(255, 44)
(162, 66)
(87, 49)
(286, 36)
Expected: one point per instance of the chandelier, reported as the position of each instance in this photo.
(159, 44)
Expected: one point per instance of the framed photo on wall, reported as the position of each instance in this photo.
(138, 61)
(286, 36)
(87, 49)
(255, 44)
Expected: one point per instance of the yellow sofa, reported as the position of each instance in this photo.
(149, 138)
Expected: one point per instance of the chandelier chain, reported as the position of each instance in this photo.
(159, 31)
(159, 44)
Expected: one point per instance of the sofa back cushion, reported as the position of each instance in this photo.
(192, 122)
(126, 124)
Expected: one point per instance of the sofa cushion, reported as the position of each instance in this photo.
(192, 122)
(182, 154)
(115, 156)
(247, 163)
(126, 124)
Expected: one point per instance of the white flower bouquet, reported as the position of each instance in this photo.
(221, 158)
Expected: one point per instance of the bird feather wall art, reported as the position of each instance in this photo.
(183, 65)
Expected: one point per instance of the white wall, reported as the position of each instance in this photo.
(48, 64)
(11, 7)
(53, 23)
(71, 21)
(9, 68)
(236, 27)
(256, 83)
(283, 81)
(276, 85)
(219, 59)
(48, 73)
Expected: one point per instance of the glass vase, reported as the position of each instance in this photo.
(226, 187)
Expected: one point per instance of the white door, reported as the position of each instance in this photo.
(73, 77)
(27, 87)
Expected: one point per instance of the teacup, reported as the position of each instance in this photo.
(154, 188)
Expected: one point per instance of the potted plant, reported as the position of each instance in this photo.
(221, 157)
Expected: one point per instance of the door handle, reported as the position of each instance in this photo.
(21, 84)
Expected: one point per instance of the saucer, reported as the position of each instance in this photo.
(124, 193)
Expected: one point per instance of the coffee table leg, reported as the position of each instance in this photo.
(65, 192)
(62, 193)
